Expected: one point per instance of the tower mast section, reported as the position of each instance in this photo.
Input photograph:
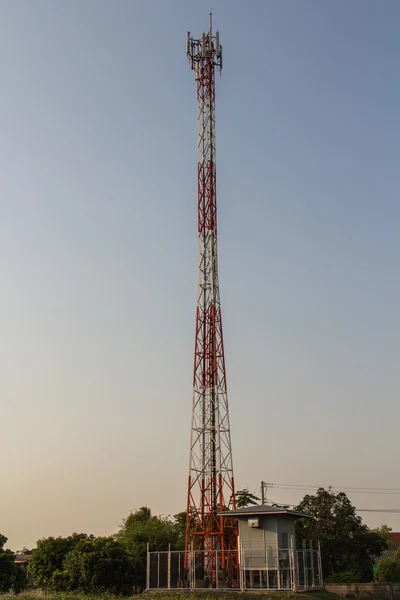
(211, 482)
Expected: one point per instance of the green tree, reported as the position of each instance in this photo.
(7, 567)
(245, 498)
(20, 579)
(384, 532)
(347, 545)
(141, 528)
(49, 555)
(97, 565)
(388, 569)
(180, 526)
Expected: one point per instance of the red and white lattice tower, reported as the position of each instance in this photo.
(211, 484)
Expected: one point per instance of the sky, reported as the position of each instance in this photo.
(98, 239)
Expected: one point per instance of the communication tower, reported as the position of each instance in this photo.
(211, 484)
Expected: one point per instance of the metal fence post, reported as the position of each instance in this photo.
(312, 565)
(192, 568)
(148, 569)
(292, 564)
(241, 566)
(320, 574)
(169, 567)
(297, 567)
(279, 567)
(305, 565)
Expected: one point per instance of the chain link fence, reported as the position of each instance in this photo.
(247, 569)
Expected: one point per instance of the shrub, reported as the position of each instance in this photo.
(388, 570)
(343, 577)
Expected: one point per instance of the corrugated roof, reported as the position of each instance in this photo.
(395, 535)
(263, 509)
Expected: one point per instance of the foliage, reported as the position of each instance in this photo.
(7, 567)
(82, 562)
(384, 532)
(180, 527)
(20, 579)
(388, 569)
(49, 555)
(347, 545)
(140, 529)
(89, 564)
(343, 577)
(97, 565)
(245, 498)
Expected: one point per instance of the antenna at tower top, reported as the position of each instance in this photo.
(205, 49)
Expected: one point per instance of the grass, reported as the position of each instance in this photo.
(317, 595)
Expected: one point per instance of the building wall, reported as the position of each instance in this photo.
(286, 530)
(272, 532)
(261, 545)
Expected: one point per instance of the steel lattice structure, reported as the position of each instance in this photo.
(211, 483)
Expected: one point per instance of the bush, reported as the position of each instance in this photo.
(388, 569)
(8, 570)
(343, 577)
(97, 566)
(20, 580)
(83, 563)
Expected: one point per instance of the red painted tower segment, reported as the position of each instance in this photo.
(211, 484)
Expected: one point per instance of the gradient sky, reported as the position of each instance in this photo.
(98, 159)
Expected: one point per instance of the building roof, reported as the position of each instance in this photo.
(395, 535)
(260, 510)
(22, 558)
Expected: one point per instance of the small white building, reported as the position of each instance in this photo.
(268, 556)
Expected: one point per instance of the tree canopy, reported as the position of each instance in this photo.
(384, 532)
(180, 530)
(83, 562)
(49, 555)
(7, 570)
(97, 565)
(245, 498)
(347, 545)
(12, 577)
(141, 528)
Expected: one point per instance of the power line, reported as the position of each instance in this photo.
(379, 510)
(352, 490)
(365, 487)
(375, 510)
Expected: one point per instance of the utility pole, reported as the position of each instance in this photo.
(264, 490)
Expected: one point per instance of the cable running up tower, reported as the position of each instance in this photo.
(211, 484)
